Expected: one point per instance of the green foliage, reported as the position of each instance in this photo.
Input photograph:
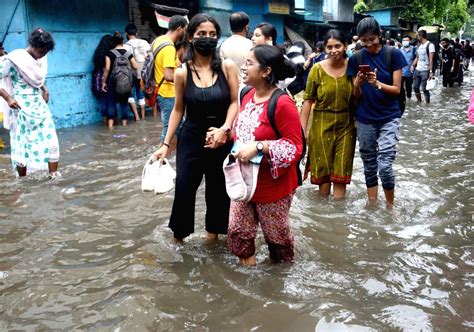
(456, 16)
(360, 7)
(452, 13)
(469, 33)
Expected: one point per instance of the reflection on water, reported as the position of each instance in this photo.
(91, 251)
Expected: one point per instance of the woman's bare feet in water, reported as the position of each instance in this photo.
(211, 237)
(249, 261)
(177, 240)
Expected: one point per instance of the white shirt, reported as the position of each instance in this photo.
(236, 48)
(139, 49)
(423, 60)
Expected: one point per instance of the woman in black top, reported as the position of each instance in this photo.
(97, 74)
(108, 86)
(207, 88)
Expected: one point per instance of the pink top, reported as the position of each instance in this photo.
(277, 175)
(470, 110)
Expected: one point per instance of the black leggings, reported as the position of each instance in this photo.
(407, 83)
(192, 163)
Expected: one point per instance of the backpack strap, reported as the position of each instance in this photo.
(160, 47)
(388, 56)
(115, 52)
(246, 89)
(127, 54)
(428, 50)
(271, 110)
(271, 104)
(155, 53)
(358, 56)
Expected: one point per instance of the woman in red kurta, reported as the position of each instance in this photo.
(277, 178)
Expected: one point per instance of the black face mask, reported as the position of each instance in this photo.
(205, 45)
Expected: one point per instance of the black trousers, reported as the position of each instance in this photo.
(407, 83)
(193, 162)
(447, 78)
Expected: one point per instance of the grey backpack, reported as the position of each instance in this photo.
(122, 74)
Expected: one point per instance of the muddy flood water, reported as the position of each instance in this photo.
(90, 251)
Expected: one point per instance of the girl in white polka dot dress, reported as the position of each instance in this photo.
(33, 139)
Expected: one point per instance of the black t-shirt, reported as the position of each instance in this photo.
(467, 51)
(112, 56)
(448, 57)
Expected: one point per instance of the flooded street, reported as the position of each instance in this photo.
(90, 251)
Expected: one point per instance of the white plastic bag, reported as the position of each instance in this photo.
(158, 177)
(165, 179)
(431, 83)
(150, 175)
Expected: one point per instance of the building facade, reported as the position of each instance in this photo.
(77, 27)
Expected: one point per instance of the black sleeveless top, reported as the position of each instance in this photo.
(206, 107)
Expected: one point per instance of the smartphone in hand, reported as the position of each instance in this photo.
(364, 69)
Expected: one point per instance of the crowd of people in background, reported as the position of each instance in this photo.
(240, 99)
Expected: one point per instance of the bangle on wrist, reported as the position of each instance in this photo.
(165, 144)
(226, 129)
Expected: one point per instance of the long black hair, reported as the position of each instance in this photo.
(40, 38)
(101, 50)
(192, 27)
(272, 56)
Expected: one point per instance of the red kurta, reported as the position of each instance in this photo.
(277, 174)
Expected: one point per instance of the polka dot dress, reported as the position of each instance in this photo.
(33, 137)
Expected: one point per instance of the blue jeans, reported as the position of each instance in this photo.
(112, 107)
(377, 147)
(137, 95)
(104, 111)
(420, 78)
(166, 106)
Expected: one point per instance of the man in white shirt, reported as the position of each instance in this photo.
(423, 66)
(139, 49)
(237, 47)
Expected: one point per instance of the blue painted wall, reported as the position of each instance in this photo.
(383, 16)
(16, 36)
(315, 7)
(257, 11)
(77, 27)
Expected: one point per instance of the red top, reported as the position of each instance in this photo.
(277, 175)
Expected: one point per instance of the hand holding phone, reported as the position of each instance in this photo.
(364, 69)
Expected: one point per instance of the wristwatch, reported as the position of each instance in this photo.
(259, 147)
